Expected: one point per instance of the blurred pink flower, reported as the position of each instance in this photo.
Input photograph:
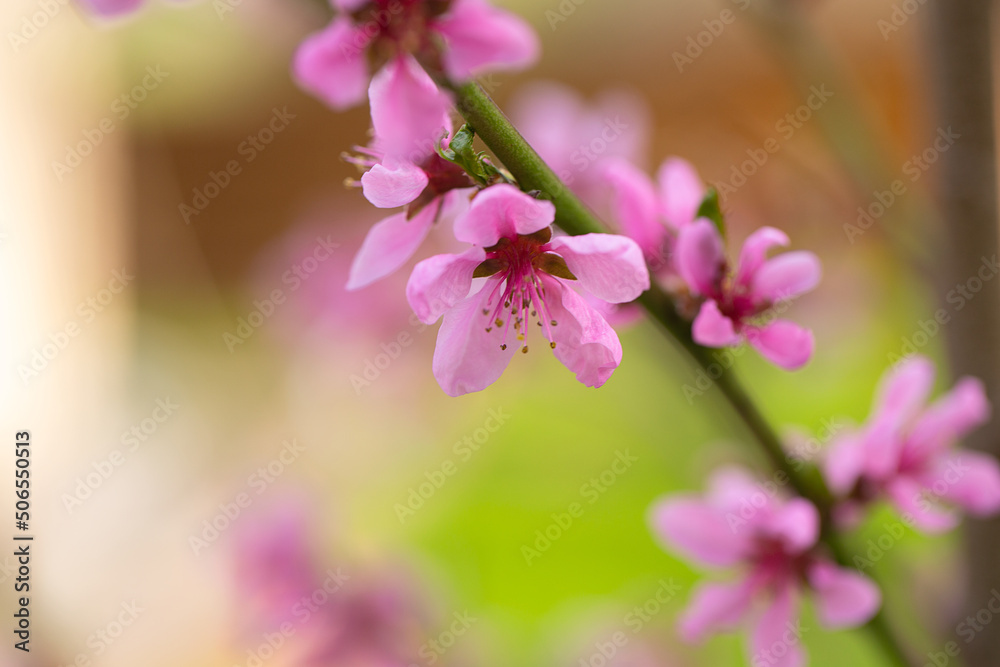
(113, 8)
(468, 38)
(653, 214)
(576, 137)
(904, 452)
(774, 540)
(528, 274)
(431, 190)
(735, 305)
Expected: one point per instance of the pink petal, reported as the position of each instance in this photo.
(700, 532)
(754, 252)
(635, 206)
(502, 211)
(783, 343)
(844, 463)
(393, 183)
(440, 282)
(950, 417)
(467, 358)
(968, 479)
(796, 524)
(332, 66)
(608, 266)
(479, 37)
(699, 256)
(715, 608)
(786, 276)
(844, 598)
(111, 8)
(909, 498)
(713, 329)
(585, 343)
(776, 639)
(409, 113)
(348, 5)
(388, 245)
(903, 391)
(732, 489)
(681, 191)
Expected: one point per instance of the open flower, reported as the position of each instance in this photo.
(746, 524)
(430, 190)
(466, 37)
(654, 214)
(528, 275)
(741, 305)
(904, 451)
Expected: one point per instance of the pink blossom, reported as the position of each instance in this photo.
(430, 190)
(468, 38)
(742, 305)
(528, 274)
(654, 214)
(112, 8)
(774, 542)
(904, 452)
(576, 137)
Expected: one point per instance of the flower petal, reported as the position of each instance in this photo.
(699, 256)
(700, 532)
(909, 498)
(388, 246)
(786, 276)
(502, 211)
(479, 37)
(348, 5)
(949, 418)
(903, 391)
(635, 206)
(754, 252)
(331, 64)
(393, 183)
(796, 524)
(608, 266)
(111, 8)
(439, 282)
(409, 113)
(970, 479)
(713, 329)
(584, 342)
(783, 343)
(715, 608)
(844, 463)
(468, 358)
(844, 598)
(681, 191)
(776, 640)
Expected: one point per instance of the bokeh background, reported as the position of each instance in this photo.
(368, 430)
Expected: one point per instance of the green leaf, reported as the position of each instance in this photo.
(477, 165)
(710, 209)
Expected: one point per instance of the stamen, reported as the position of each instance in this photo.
(552, 344)
(524, 350)
(503, 346)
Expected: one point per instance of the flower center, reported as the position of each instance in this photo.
(392, 27)
(517, 291)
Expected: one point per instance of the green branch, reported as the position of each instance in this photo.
(573, 217)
